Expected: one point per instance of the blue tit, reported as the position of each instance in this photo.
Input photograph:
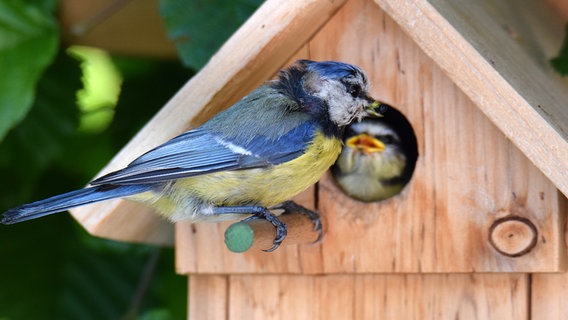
(245, 161)
(379, 157)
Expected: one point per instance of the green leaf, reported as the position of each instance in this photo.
(560, 63)
(35, 143)
(199, 27)
(28, 44)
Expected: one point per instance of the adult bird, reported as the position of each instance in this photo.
(249, 159)
(379, 157)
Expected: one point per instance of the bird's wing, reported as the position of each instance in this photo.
(198, 152)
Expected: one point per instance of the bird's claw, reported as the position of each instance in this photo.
(281, 228)
(291, 206)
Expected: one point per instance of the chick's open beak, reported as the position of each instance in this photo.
(376, 108)
(365, 143)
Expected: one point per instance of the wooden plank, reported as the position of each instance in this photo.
(549, 291)
(463, 296)
(489, 63)
(208, 297)
(548, 296)
(255, 52)
(106, 24)
(468, 177)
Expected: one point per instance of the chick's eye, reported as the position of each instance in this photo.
(387, 139)
(354, 90)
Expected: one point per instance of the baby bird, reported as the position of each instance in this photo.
(379, 157)
(245, 161)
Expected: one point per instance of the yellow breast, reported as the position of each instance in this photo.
(265, 187)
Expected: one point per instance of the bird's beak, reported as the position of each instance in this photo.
(376, 108)
(365, 143)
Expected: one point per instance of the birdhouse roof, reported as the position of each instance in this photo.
(482, 49)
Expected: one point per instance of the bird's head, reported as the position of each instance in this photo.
(330, 90)
(343, 87)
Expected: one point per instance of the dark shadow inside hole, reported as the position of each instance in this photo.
(378, 158)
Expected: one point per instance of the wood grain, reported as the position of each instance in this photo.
(209, 297)
(548, 296)
(482, 296)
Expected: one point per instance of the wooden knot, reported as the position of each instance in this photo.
(513, 236)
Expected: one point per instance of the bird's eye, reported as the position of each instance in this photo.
(355, 90)
(387, 139)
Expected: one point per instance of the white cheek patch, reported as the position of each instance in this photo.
(343, 108)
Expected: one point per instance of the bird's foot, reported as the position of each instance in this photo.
(291, 206)
(281, 228)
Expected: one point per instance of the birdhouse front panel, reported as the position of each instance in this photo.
(474, 204)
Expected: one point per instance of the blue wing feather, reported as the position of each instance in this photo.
(198, 152)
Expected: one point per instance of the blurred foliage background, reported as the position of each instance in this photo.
(65, 110)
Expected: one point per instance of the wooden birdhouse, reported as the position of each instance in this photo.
(479, 232)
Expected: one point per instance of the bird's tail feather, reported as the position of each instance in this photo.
(69, 200)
